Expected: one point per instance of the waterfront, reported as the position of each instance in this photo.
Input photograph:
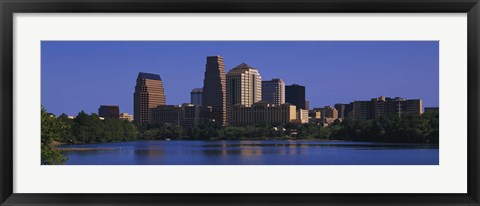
(281, 152)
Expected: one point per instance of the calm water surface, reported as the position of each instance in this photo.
(253, 153)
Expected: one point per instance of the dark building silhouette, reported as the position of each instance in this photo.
(431, 109)
(273, 91)
(341, 110)
(344, 110)
(295, 94)
(214, 88)
(149, 93)
(196, 96)
(109, 111)
(348, 113)
(330, 112)
(363, 110)
(186, 115)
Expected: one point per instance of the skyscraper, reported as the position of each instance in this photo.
(295, 94)
(244, 86)
(273, 91)
(196, 96)
(214, 88)
(148, 94)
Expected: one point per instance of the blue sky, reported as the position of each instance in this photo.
(82, 75)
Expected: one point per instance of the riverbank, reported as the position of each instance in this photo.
(70, 149)
(73, 146)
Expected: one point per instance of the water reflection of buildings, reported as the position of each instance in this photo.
(245, 150)
(250, 150)
(240, 151)
(151, 152)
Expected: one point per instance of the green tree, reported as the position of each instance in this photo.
(68, 137)
(52, 130)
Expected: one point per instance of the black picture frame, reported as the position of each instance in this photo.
(9, 7)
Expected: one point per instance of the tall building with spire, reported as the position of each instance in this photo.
(149, 93)
(244, 86)
(214, 88)
(273, 91)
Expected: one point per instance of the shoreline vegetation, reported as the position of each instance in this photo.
(84, 149)
(87, 128)
(287, 143)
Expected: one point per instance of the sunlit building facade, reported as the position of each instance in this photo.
(302, 116)
(126, 116)
(149, 93)
(244, 86)
(263, 113)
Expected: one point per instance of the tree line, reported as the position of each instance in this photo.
(89, 128)
(85, 128)
(408, 128)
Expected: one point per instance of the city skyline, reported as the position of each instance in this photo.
(320, 91)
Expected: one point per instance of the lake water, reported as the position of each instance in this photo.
(253, 153)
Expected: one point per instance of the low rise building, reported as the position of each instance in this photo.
(344, 110)
(302, 116)
(126, 116)
(262, 112)
(109, 111)
(314, 117)
(431, 109)
(362, 110)
(380, 106)
(327, 112)
(314, 114)
(187, 115)
(330, 112)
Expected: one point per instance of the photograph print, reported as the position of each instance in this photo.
(240, 103)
